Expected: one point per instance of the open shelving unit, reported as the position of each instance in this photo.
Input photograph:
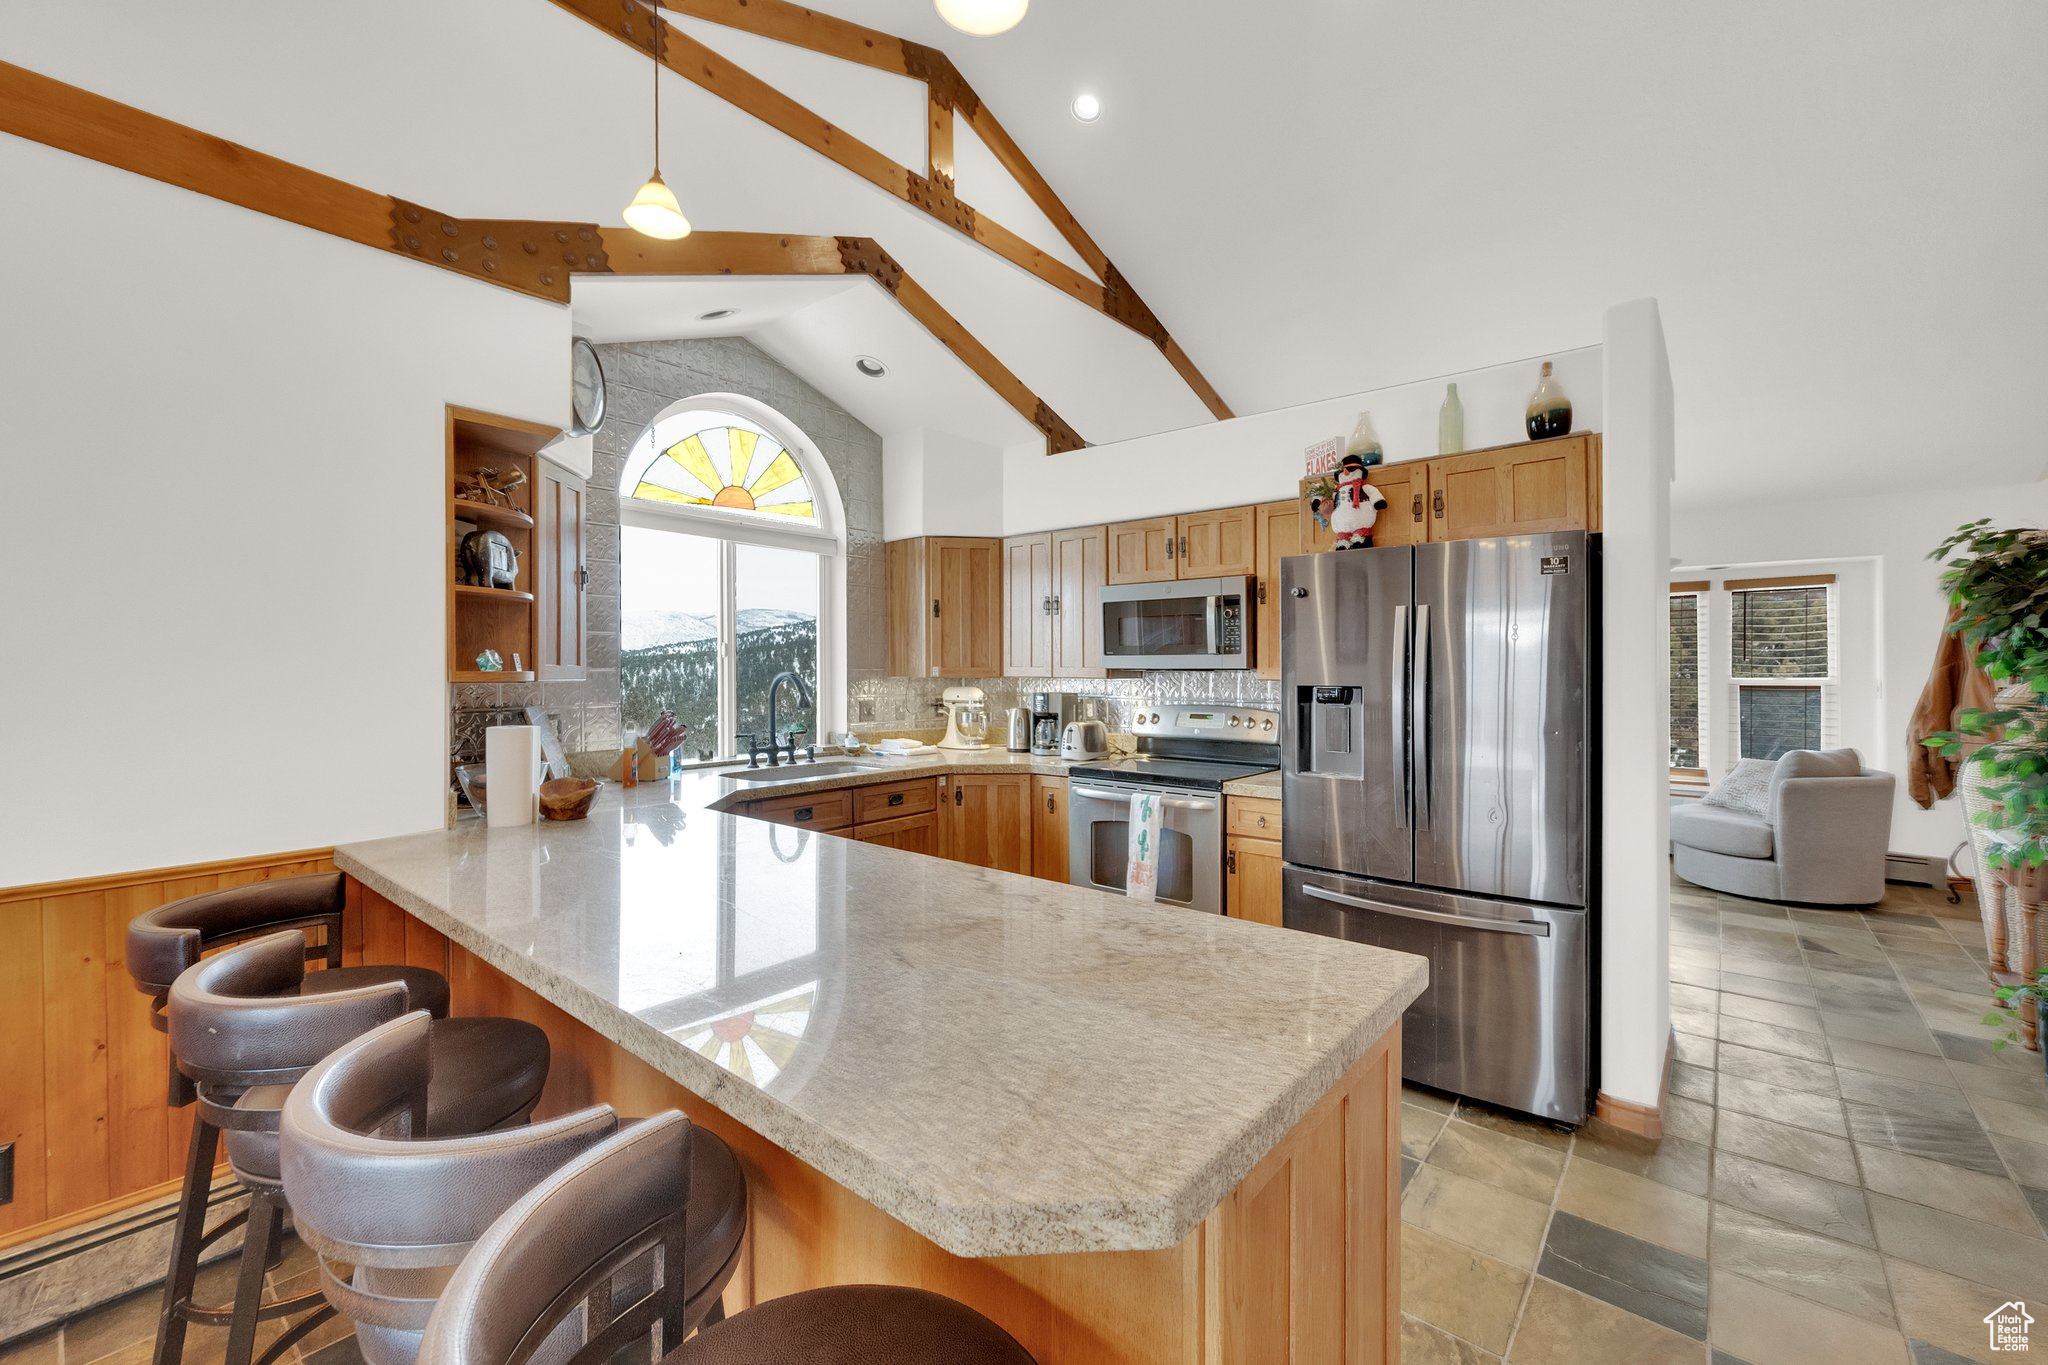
(479, 618)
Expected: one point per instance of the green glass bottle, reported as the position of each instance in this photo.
(1450, 423)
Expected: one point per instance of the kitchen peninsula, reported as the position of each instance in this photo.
(1127, 1134)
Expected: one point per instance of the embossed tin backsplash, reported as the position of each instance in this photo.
(883, 704)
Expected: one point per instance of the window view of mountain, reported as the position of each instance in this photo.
(670, 659)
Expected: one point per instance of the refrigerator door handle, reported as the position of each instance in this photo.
(1400, 710)
(1418, 729)
(1531, 927)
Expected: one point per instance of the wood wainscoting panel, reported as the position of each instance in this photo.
(84, 1099)
(1298, 1266)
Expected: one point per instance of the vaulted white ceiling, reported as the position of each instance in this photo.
(1838, 203)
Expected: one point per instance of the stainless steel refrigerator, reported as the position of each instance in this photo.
(1437, 757)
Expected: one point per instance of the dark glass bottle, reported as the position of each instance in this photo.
(1550, 412)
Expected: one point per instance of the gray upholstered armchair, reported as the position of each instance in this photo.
(1821, 841)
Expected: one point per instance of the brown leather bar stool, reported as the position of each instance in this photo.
(544, 1274)
(162, 944)
(243, 1036)
(370, 1192)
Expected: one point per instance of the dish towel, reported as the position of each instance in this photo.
(1141, 877)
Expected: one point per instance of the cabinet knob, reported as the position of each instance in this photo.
(1437, 500)
(896, 799)
(803, 813)
(1262, 822)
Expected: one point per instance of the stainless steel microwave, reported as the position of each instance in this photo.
(1190, 623)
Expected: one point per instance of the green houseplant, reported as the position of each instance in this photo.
(1997, 583)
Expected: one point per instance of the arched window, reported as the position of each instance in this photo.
(732, 569)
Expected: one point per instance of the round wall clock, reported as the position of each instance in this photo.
(586, 388)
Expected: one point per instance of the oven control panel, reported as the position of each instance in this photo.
(1244, 723)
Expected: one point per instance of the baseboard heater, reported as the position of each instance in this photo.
(1917, 869)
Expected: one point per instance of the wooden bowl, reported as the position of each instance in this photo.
(567, 798)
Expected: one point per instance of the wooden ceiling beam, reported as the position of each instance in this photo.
(536, 258)
(933, 191)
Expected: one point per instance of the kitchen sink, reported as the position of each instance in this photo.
(802, 772)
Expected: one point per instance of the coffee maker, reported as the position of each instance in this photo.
(1050, 712)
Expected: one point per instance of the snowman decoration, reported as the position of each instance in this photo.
(1354, 508)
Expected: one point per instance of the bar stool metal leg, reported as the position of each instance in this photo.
(188, 1240)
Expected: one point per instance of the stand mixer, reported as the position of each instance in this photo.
(966, 718)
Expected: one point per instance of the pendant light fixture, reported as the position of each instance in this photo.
(654, 211)
(982, 18)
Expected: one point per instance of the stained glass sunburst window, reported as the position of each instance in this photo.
(719, 460)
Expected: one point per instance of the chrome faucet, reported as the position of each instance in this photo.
(803, 697)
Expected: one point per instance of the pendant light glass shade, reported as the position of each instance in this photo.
(654, 212)
(982, 17)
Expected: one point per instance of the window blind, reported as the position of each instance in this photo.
(1779, 632)
(1685, 681)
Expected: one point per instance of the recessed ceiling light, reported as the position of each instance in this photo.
(716, 313)
(869, 366)
(1087, 108)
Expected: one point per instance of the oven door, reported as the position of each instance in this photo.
(1190, 842)
(1195, 623)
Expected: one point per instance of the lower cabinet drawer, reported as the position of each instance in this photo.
(894, 800)
(823, 811)
(1254, 817)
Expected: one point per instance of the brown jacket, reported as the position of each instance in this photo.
(1955, 685)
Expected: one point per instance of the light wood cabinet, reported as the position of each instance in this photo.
(1278, 536)
(1218, 544)
(988, 821)
(894, 800)
(1049, 827)
(1144, 551)
(1027, 606)
(945, 606)
(1252, 879)
(504, 619)
(912, 833)
(1251, 859)
(1196, 545)
(1080, 567)
(1052, 604)
(561, 579)
(1523, 489)
(1515, 490)
(1405, 518)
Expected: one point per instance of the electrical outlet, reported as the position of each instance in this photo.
(6, 1173)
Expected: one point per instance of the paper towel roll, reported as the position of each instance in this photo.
(511, 774)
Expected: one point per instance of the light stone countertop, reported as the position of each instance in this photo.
(1007, 1065)
(1266, 785)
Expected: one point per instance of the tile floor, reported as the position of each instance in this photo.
(124, 1332)
(1850, 1172)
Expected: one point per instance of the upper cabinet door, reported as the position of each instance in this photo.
(909, 609)
(1027, 606)
(1216, 544)
(1405, 518)
(562, 577)
(964, 580)
(1278, 535)
(1513, 490)
(1144, 551)
(1080, 566)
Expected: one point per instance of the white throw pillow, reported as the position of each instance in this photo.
(1747, 788)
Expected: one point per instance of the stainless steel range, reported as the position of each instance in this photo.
(1185, 755)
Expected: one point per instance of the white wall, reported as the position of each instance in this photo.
(937, 484)
(221, 536)
(1895, 529)
(1258, 458)
(1635, 903)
